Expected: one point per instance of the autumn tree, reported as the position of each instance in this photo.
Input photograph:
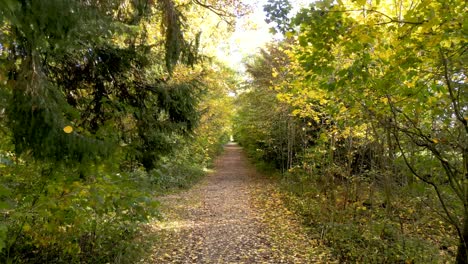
(402, 67)
(384, 85)
(98, 99)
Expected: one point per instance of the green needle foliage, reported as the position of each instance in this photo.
(100, 110)
(72, 73)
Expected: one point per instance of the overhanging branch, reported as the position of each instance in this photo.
(390, 19)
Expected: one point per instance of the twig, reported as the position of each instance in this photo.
(391, 20)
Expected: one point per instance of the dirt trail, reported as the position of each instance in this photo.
(221, 221)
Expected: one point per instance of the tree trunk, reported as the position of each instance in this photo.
(462, 254)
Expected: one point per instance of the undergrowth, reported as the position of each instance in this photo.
(362, 223)
(60, 216)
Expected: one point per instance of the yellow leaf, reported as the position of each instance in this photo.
(445, 43)
(361, 2)
(409, 84)
(384, 100)
(26, 227)
(68, 129)
(323, 101)
(435, 140)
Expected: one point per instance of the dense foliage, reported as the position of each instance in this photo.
(103, 105)
(364, 108)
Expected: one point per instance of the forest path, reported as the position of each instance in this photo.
(233, 216)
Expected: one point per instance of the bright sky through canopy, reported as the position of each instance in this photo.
(252, 33)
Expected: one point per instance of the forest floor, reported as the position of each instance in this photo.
(235, 215)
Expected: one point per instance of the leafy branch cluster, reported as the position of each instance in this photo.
(104, 105)
(363, 107)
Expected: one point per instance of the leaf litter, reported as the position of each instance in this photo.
(235, 215)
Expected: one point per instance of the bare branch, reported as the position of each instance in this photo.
(390, 19)
(424, 179)
(223, 14)
(453, 98)
(213, 9)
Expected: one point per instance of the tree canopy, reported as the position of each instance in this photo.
(370, 92)
(360, 107)
(103, 105)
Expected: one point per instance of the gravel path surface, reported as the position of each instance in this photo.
(221, 221)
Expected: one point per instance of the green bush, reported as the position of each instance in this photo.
(55, 216)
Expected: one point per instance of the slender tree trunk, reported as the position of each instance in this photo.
(391, 148)
(462, 254)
